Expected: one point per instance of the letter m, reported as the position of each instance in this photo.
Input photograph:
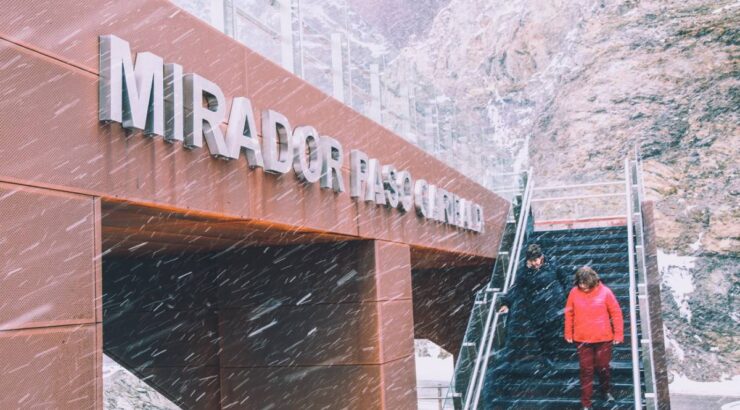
(132, 96)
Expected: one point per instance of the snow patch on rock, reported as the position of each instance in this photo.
(675, 271)
(673, 345)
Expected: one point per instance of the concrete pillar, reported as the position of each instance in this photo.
(327, 324)
(50, 318)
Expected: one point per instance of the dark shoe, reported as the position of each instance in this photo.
(609, 399)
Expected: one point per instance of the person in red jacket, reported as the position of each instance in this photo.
(593, 320)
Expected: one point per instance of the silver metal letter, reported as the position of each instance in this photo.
(469, 215)
(463, 211)
(204, 120)
(242, 133)
(477, 218)
(306, 158)
(358, 163)
(447, 213)
(276, 142)
(406, 191)
(421, 198)
(375, 191)
(437, 203)
(173, 103)
(390, 185)
(132, 96)
(458, 205)
(331, 164)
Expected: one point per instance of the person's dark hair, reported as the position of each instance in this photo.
(533, 252)
(587, 276)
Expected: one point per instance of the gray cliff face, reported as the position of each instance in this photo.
(583, 81)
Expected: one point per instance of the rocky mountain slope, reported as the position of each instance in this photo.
(578, 83)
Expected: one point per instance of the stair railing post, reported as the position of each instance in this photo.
(632, 288)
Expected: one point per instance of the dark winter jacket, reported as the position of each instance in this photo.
(540, 292)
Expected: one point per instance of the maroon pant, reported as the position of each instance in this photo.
(594, 356)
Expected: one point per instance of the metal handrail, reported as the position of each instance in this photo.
(543, 208)
(632, 288)
(591, 184)
(570, 198)
(506, 190)
(585, 218)
(521, 228)
(508, 174)
(488, 345)
(475, 385)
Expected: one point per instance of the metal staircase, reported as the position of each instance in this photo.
(498, 366)
(516, 379)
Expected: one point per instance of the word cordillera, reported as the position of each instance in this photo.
(160, 100)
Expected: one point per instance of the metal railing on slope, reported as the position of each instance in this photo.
(579, 204)
(638, 287)
(472, 362)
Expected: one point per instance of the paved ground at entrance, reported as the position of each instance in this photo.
(689, 402)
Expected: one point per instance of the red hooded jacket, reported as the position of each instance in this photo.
(594, 316)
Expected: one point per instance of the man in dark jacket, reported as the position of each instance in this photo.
(539, 289)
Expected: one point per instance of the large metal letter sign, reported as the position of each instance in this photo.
(331, 164)
(389, 185)
(406, 191)
(128, 95)
(204, 120)
(173, 110)
(242, 133)
(306, 154)
(160, 100)
(375, 191)
(276, 145)
(358, 163)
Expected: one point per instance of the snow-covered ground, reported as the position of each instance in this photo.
(676, 274)
(122, 390)
(434, 370)
(683, 385)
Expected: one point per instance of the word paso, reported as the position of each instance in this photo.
(160, 100)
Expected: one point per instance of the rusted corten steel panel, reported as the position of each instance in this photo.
(53, 367)
(49, 126)
(48, 269)
(50, 335)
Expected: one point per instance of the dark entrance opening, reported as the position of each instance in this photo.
(444, 286)
(210, 312)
